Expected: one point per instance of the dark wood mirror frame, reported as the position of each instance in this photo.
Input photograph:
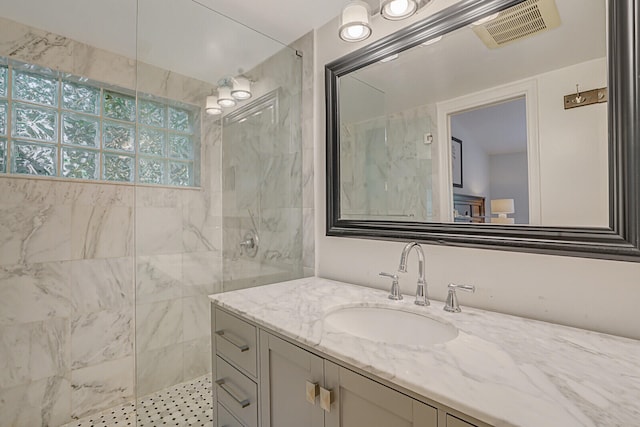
(620, 241)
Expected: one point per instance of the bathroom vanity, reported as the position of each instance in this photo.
(279, 360)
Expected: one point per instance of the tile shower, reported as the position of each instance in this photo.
(103, 286)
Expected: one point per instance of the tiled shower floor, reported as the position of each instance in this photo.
(186, 404)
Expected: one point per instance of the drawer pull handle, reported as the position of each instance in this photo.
(326, 398)
(312, 392)
(233, 341)
(240, 401)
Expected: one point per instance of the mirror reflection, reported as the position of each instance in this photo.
(502, 122)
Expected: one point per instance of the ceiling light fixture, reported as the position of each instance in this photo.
(486, 19)
(212, 107)
(225, 99)
(390, 58)
(432, 41)
(355, 17)
(395, 10)
(241, 88)
(354, 22)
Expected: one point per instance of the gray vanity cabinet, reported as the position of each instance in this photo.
(358, 401)
(287, 375)
(262, 380)
(293, 382)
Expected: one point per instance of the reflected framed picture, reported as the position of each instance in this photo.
(456, 162)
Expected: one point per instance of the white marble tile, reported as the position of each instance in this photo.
(45, 402)
(101, 232)
(35, 46)
(34, 292)
(86, 194)
(104, 66)
(308, 238)
(32, 233)
(155, 197)
(201, 273)
(158, 324)
(101, 386)
(202, 221)
(197, 358)
(23, 191)
(196, 317)
(98, 284)
(33, 351)
(101, 336)
(158, 369)
(158, 230)
(158, 278)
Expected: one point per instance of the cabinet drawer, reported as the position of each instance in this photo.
(225, 419)
(236, 341)
(457, 422)
(237, 393)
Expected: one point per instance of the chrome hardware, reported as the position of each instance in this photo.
(312, 391)
(239, 400)
(421, 291)
(326, 398)
(451, 304)
(395, 287)
(249, 244)
(233, 341)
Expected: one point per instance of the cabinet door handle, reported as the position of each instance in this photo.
(233, 341)
(239, 400)
(312, 392)
(326, 398)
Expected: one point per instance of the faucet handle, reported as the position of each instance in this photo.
(395, 287)
(451, 305)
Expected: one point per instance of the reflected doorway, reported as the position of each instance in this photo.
(495, 166)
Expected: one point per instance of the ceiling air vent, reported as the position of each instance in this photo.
(522, 20)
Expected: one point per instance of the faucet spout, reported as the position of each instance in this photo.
(421, 292)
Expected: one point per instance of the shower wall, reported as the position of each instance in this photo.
(75, 256)
(267, 173)
(384, 161)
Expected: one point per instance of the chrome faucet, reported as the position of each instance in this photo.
(395, 287)
(421, 291)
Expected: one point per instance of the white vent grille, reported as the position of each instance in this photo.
(522, 20)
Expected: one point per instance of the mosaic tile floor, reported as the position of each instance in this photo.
(186, 404)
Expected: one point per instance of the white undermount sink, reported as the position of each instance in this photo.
(390, 326)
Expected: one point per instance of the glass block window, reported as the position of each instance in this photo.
(57, 125)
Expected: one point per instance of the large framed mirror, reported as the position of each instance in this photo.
(504, 124)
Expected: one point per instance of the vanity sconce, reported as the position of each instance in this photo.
(580, 99)
(355, 22)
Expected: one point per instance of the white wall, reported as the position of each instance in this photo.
(475, 164)
(592, 294)
(508, 180)
(565, 144)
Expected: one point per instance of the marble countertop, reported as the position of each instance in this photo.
(503, 370)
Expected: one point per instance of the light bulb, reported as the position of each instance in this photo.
(224, 97)
(398, 7)
(355, 31)
(396, 10)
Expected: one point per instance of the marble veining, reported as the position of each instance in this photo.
(503, 370)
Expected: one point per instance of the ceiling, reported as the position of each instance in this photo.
(206, 40)
(461, 64)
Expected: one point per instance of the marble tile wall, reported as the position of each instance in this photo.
(383, 161)
(75, 259)
(268, 170)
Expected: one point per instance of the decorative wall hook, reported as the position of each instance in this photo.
(578, 99)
